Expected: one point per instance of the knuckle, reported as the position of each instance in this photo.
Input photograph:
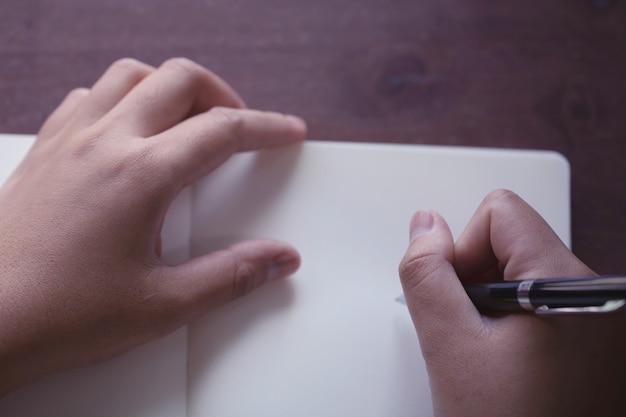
(183, 66)
(226, 116)
(245, 279)
(230, 122)
(185, 74)
(86, 145)
(129, 66)
(501, 196)
(419, 274)
(417, 264)
(78, 93)
(125, 63)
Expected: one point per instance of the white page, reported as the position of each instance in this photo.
(332, 340)
(148, 381)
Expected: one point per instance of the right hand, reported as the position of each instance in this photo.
(517, 364)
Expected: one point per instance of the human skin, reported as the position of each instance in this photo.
(81, 278)
(518, 364)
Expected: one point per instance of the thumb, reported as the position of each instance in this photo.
(219, 277)
(438, 304)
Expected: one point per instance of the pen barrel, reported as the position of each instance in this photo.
(550, 292)
(492, 297)
(578, 292)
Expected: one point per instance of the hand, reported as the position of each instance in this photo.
(81, 278)
(510, 364)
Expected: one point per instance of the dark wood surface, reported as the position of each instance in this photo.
(516, 74)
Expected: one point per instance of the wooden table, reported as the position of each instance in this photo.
(517, 74)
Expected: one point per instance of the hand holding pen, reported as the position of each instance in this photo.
(508, 364)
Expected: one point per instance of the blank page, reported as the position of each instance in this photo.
(332, 340)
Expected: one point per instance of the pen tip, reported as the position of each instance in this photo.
(401, 299)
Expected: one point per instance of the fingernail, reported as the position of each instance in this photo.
(422, 222)
(283, 265)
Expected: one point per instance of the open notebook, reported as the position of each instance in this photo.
(330, 340)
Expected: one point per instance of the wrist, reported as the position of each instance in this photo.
(22, 355)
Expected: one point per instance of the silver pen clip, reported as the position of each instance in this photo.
(608, 307)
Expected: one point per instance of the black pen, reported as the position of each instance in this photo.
(599, 294)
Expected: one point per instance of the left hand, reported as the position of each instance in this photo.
(81, 278)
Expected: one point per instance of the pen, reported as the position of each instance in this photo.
(600, 294)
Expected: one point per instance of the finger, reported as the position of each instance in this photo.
(117, 81)
(60, 116)
(178, 89)
(220, 277)
(506, 233)
(439, 306)
(202, 143)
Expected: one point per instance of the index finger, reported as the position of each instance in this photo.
(506, 238)
(177, 90)
(197, 146)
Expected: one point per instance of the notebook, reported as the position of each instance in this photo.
(330, 340)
